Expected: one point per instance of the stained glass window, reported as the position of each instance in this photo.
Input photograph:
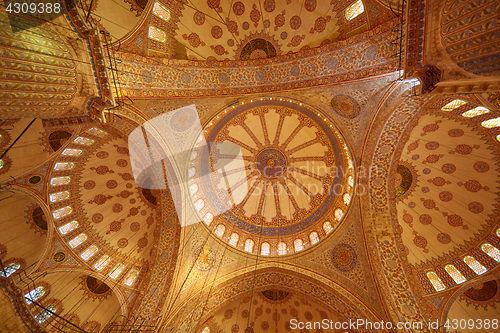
(199, 204)
(56, 181)
(338, 214)
(206, 330)
(436, 281)
(35, 294)
(495, 122)
(191, 172)
(219, 231)
(78, 240)
(161, 11)
(193, 188)
(354, 10)
(72, 152)
(208, 218)
(491, 251)
(64, 166)
(54, 197)
(498, 232)
(475, 112)
(84, 141)
(1, 164)
(327, 227)
(157, 34)
(249, 245)
(97, 132)
(281, 248)
(68, 227)
(347, 198)
(9, 270)
(455, 274)
(265, 249)
(498, 137)
(475, 265)
(131, 276)
(88, 253)
(453, 105)
(62, 212)
(234, 239)
(350, 181)
(117, 271)
(46, 314)
(102, 262)
(313, 236)
(298, 245)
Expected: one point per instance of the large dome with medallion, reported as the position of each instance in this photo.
(297, 182)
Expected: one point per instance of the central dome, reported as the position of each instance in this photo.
(298, 175)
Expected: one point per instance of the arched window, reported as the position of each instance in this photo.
(88, 253)
(117, 270)
(327, 227)
(68, 227)
(455, 274)
(35, 294)
(157, 34)
(131, 276)
(298, 245)
(206, 330)
(354, 10)
(194, 153)
(1, 164)
(234, 239)
(191, 172)
(219, 231)
(208, 218)
(453, 105)
(350, 181)
(498, 232)
(491, 251)
(265, 249)
(199, 204)
(56, 181)
(102, 262)
(339, 213)
(97, 132)
(475, 112)
(498, 137)
(491, 123)
(313, 237)
(64, 166)
(59, 196)
(78, 240)
(249, 245)
(161, 11)
(193, 188)
(46, 314)
(281, 248)
(475, 265)
(9, 270)
(62, 212)
(72, 152)
(84, 141)
(347, 198)
(436, 281)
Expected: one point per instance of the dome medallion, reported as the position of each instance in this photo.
(297, 180)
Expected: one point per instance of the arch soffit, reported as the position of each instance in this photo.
(393, 115)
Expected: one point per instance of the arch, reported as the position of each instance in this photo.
(326, 291)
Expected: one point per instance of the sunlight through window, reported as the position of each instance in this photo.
(436, 281)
